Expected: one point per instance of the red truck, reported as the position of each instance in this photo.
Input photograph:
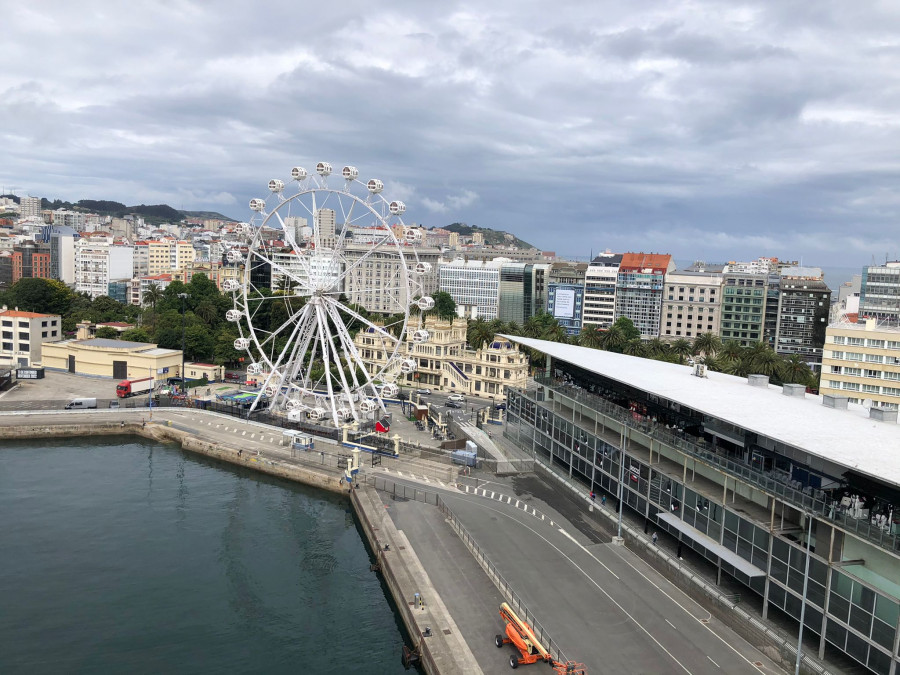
(127, 388)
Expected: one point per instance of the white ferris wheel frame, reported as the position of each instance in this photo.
(317, 332)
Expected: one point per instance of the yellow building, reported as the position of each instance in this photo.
(862, 362)
(119, 359)
(446, 364)
(214, 271)
(196, 371)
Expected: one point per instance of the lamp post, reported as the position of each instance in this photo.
(809, 518)
(183, 297)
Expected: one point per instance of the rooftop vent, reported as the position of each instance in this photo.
(836, 402)
(758, 380)
(700, 369)
(882, 414)
(794, 390)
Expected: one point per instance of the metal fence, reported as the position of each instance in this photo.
(502, 585)
(401, 491)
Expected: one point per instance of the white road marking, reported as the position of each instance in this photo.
(492, 494)
(517, 503)
(574, 541)
(601, 589)
(399, 473)
(425, 478)
(671, 624)
(713, 662)
(244, 433)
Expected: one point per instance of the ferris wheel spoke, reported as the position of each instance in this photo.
(326, 358)
(359, 261)
(345, 386)
(349, 348)
(363, 320)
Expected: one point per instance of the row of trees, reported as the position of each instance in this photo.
(624, 338)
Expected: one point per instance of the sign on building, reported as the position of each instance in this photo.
(564, 305)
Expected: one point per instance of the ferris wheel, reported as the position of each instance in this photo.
(322, 263)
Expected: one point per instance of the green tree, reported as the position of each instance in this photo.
(198, 343)
(45, 296)
(682, 349)
(764, 360)
(152, 295)
(628, 328)
(795, 370)
(224, 353)
(707, 345)
(658, 349)
(591, 336)
(207, 311)
(444, 305)
(478, 332)
(731, 351)
(107, 332)
(634, 347)
(614, 339)
(137, 335)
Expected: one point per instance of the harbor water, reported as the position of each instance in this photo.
(127, 556)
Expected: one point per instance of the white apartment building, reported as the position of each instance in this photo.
(30, 207)
(370, 275)
(692, 305)
(862, 362)
(474, 286)
(96, 264)
(73, 219)
(23, 334)
(600, 290)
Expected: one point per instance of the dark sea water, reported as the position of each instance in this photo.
(123, 556)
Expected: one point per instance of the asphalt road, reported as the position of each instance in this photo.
(604, 606)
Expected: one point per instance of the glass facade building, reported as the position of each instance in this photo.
(745, 501)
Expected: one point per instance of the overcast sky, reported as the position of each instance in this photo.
(707, 129)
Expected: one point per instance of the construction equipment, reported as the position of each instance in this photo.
(520, 634)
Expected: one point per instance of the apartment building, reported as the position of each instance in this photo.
(804, 303)
(879, 295)
(98, 263)
(743, 307)
(862, 362)
(371, 272)
(692, 305)
(639, 289)
(217, 272)
(24, 334)
(445, 363)
(161, 256)
(600, 290)
(30, 207)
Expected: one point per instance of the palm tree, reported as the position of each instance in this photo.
(795, 370)
(613, 339)
(707, 344)
(591, 336)
(478, 332)
(763, 359)
(152, 295)
(682, 348)
(634, 348)
(657, 349)
(207, 312)
(731, 351)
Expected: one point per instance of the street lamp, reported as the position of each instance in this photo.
(183, 297)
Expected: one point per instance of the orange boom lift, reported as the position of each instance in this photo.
(519, 634)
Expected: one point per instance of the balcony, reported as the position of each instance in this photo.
(769, 483)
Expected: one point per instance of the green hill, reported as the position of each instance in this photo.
(491, 237)
(153, 214)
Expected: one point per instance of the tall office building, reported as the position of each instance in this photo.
(474, 286)
(565, 294)
(522, 291)
(600, 290)
(804, 302)
(879, 295)
(639, 289)
(743, 307)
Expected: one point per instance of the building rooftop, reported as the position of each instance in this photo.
(848, 438)
(108, 343)
(16, 314)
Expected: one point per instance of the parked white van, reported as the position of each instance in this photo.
(81, 403)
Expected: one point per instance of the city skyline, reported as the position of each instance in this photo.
(702, 130)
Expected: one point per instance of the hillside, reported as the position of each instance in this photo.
(491, 237)
(151, 213)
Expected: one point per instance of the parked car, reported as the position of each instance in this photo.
(501, 406)
(423, 391)
(453, 404)
(456, 397)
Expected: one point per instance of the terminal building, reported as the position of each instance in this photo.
(749, 475)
